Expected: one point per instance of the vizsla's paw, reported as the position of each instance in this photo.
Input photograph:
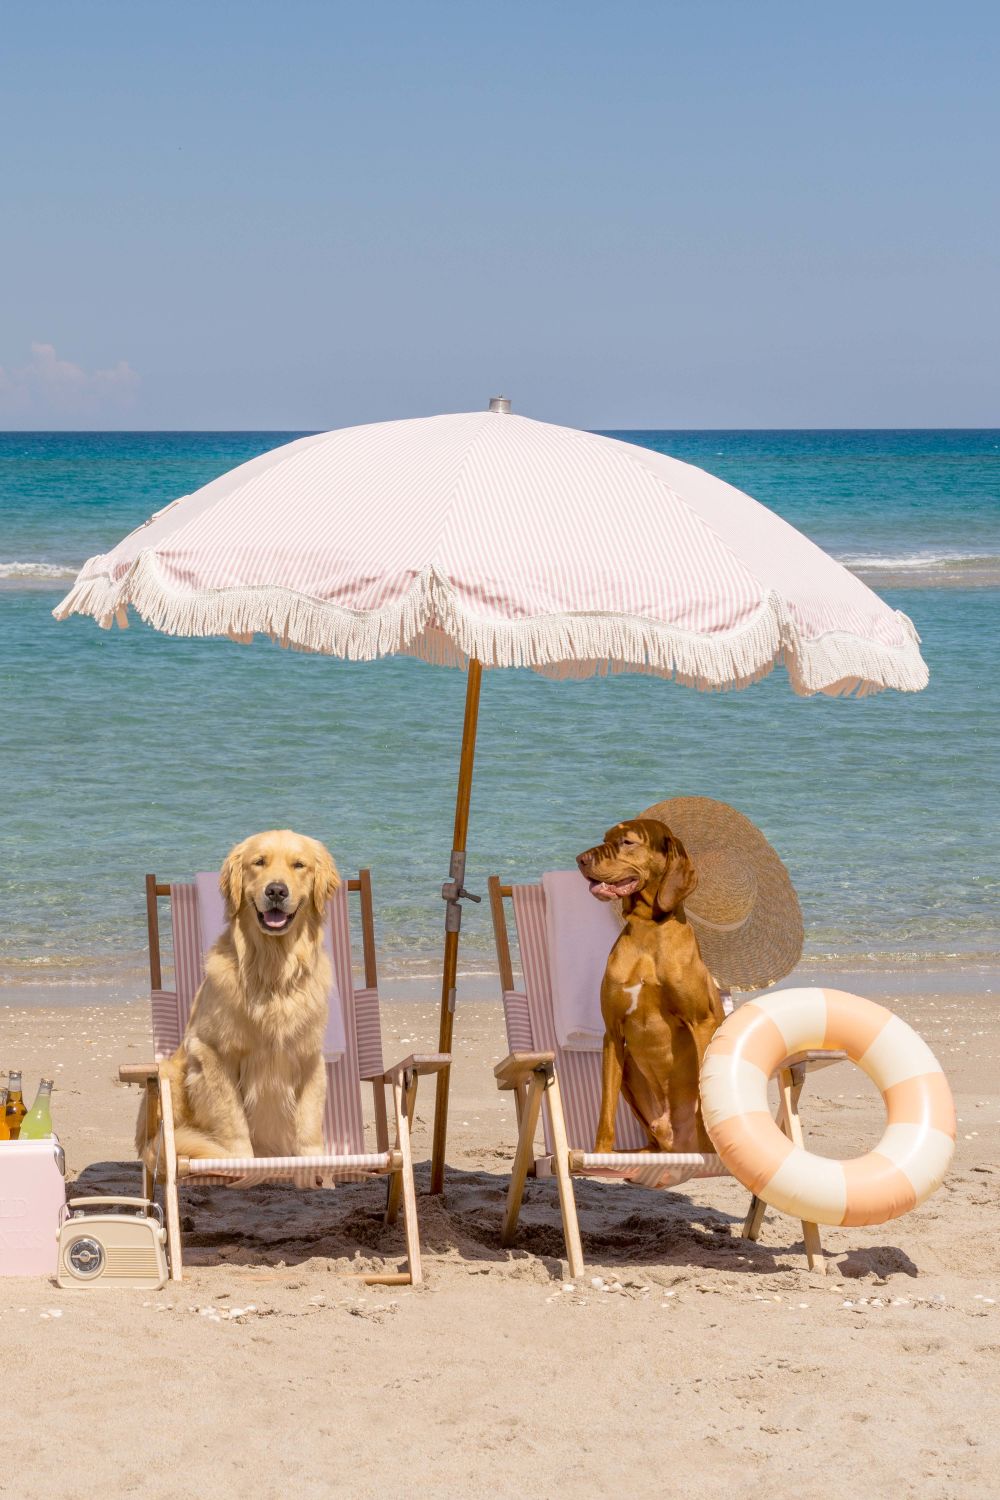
(604, 1143)
(664, 1140)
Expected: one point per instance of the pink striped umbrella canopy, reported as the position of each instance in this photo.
(490, 536)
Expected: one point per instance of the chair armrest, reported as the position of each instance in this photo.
(517, 1067)
(813, 1058)
(137, 1072)
(420, 1063)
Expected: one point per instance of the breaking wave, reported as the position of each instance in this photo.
(40, 570)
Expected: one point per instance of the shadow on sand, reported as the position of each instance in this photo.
(625, 1228)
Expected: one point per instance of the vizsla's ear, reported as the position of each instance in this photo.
(679, 877)
(325, 878)
(231, 880)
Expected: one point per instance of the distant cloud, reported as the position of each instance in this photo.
(49, 388)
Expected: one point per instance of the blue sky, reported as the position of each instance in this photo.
(300, 215)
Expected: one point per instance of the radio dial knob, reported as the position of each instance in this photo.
(86, 1256)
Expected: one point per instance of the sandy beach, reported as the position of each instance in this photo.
(697, 1362)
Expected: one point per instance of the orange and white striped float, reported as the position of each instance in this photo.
(909, 1162)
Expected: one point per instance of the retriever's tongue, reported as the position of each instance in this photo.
(275, 918)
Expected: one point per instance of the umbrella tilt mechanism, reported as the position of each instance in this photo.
(453, 892)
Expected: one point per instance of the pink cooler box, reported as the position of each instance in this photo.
(32, 1192)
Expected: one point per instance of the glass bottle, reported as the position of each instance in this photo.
(4, 1129)
(15, 1110)
(37, 1123)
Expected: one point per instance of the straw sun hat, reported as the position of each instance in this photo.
(745, 912)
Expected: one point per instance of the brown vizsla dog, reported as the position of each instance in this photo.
(660, 1005)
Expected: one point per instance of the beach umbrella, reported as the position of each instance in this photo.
(486, 539)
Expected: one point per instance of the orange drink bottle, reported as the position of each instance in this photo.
(4, 1131)
(15, 1110)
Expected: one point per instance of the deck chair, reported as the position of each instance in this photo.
(564, 1086)
(345, 1159)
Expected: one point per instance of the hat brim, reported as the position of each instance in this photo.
(768, 943)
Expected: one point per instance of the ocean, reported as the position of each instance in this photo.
(127, 752)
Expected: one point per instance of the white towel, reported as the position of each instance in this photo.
(212, 920)
(581, 932)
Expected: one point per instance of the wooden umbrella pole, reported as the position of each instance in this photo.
(453, 892)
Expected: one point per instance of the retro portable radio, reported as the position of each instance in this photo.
(112, 1249)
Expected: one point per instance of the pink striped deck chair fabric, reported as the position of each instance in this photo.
(344, 1122)
(530, 1023)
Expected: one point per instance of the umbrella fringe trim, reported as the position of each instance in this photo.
(431, 623)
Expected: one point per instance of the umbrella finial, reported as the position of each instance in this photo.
(500, 403)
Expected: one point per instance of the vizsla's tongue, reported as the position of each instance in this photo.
(605, 891)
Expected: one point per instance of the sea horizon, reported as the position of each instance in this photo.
(310, 431)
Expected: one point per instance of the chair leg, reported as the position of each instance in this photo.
(405, 1175)
(525, 1155)
(520, 1105)
(170, 1196)
(560, 1163)
(393, 1193)
(754, 1218)
(393, 1196)
(381, 1118)
(382, 1141)
(790, 1082)
(151, 1126)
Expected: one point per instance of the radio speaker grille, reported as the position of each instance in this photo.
(131, 1261)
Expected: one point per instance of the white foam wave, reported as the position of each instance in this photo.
(37, 570)
(921, 560)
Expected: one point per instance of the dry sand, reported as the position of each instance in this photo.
(700, 1365)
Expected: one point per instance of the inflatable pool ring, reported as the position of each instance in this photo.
(910, 1160)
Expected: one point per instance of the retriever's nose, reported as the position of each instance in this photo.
(277, 890)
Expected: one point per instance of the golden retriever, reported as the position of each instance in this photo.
(249, 1078)
(660, 1005)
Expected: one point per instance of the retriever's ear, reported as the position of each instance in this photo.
(231, 880)
(325, 878)
(679, 877)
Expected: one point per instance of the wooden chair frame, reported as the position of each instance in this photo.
(401, 1080)
(531, 1078)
